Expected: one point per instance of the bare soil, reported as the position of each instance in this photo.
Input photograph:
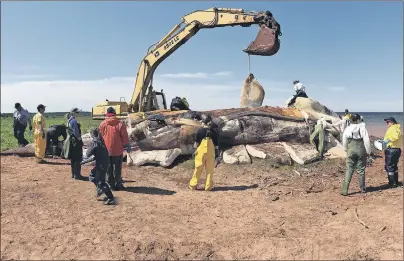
(255, 212)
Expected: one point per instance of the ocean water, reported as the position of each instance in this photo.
(375, 121)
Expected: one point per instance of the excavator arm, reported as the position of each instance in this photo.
(142, 98)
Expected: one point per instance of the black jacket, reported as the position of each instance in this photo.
(208, 132)
(57, 131)
(99, 151)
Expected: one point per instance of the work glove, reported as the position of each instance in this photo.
(86, 160)
(128, 148)
(384, 143)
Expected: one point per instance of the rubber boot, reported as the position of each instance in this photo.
(72, 168)
(344, 191)
(54, 152)
(390, 176)
(99, 190)
(362, 184)
(395, 184)
(109, 201)
(348, 177)
(107, 191)
(119, 186)
(77, 171)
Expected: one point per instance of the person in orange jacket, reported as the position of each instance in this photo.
(116, 139)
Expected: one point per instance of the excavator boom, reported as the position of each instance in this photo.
(266, 44)
(210, 18)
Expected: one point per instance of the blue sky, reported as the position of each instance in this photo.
(348, 54)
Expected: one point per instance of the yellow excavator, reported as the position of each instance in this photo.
(145, 99)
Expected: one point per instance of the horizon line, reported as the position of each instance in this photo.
(64, 112)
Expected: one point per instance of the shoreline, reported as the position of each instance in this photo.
(378, 130)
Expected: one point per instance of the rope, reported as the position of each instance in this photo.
(249, 65)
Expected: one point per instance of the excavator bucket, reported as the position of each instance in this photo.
(265, 44)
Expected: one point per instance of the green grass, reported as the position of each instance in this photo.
(7, 133)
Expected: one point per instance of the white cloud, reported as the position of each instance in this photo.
(23, 77)
(217, 93)
(199, 75)
(62, 95)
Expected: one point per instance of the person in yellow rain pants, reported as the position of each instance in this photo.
(207, 150)
(39, 125)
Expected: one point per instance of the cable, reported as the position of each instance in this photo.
(249, 64)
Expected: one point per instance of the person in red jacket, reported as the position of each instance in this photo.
(115, 136)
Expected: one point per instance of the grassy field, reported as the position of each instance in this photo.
(7, 133)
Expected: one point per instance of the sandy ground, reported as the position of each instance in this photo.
(255, 212)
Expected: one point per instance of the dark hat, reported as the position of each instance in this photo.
(75, 110)
(346, 111)
(356, 117)
(17, 104)
(296, 81)
(392, 119)
(40, 106)
(111, 110)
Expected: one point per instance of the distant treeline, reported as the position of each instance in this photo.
(48, 114)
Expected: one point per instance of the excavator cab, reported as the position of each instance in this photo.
(152, 101)
(157, 101)
(99, 111)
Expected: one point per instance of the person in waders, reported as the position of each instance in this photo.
(207, 150)
(73, 145)
(356, 143)
(39, 133)
(98, 152)
(317, 138)
(393, 142)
